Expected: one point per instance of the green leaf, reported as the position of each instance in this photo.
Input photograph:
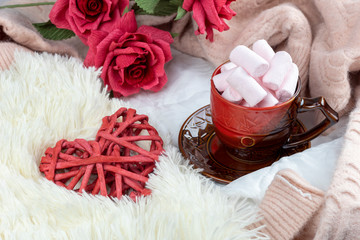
(148, 5)
(126, 10)
(140, 11)
(180, 13)
(51, 32)
(177, 2)
(174, 35)
(164, 8)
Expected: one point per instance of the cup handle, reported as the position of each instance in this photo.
(310, 104)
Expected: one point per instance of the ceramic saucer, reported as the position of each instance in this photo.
(199, 143)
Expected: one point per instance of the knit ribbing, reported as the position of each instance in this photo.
(288, 204)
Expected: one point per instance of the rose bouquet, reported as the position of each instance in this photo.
(131, 57)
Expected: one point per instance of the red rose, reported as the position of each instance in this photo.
(210, 14)
(130, 58)
(84, 16)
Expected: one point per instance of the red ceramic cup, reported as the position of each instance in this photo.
(254, 135)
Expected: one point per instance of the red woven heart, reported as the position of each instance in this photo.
(113, 164)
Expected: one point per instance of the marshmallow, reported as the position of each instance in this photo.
(231, 95)
(227, 66)
(220, 80)
(246, 86)
(264, 50)
(268, 101)
(244, 103)
(279, 66)
(287, 88)
(244, 57)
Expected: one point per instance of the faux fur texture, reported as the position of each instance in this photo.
(45, 98)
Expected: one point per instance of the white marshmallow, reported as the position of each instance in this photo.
(231, 95)
(287, 88)
(244, 103)
(246, 86)
(220, 80)
(227, 66)
(264, 50)
(279, 66)
(244, 57)
(269, 101)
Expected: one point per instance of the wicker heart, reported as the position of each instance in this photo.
(114, 164)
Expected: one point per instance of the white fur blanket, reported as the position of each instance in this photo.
(45, 98)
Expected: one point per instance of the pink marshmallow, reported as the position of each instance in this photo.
(231, 95)
(246, 86)
(244, 103)
(244, 57)
(227, 66)
(279, 66)
(269, 101)
(287, 88)
(220, 80)
(264, 50)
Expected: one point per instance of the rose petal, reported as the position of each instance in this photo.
(127, 22)
(199, 16)
(157, 60)
(226, 12)
(109, 10)
(156, 33)
(124, 60)
(121, 4)
(209, 34)
(188, 5)
(95, 38)
(149, 79)
(90, 58)
(135, 37)
(143, 46)
(108, 26)
(92, 8)
(125, 89)
(219, 4)
(80, 24)
(128, 50)
(59, 14)
(162, 81)
(103, 46)
(108, 66)
(211, 14)
(93, 41)
(135, 74)
(165, 47)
